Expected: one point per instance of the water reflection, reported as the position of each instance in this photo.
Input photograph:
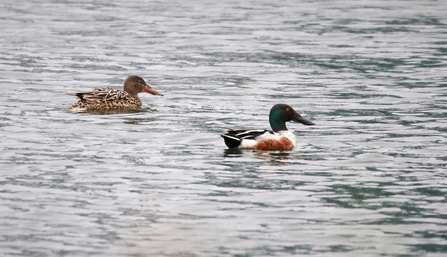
(233, 152)
(117, 111)
(138, 121)
(274, 158)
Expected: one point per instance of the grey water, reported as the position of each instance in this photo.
(369, 179)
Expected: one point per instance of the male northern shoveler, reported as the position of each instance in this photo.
(280, 139)
(102, 99)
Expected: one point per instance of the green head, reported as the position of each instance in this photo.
(281, 113)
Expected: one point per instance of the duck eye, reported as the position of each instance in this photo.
(287, 109)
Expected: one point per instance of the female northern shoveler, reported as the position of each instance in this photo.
(280, 139)
(102, 99)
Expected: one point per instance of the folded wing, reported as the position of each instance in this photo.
(233, 138)
(103, 95)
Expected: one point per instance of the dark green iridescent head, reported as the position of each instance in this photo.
(281, 113)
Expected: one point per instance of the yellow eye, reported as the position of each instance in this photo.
(287, 109)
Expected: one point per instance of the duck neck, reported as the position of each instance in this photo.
(131, 91)
(276, 123)
(134, 95)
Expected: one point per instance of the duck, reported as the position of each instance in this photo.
(106, 99)
(277, 139)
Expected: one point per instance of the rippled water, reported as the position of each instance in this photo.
(369, 179)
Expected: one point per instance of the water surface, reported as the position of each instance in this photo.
(369, 179)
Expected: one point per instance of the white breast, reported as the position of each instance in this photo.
(289, 135)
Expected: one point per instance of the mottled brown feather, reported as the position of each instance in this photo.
(103, 99)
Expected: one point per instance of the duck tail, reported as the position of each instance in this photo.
(231, 141)
(78, 95)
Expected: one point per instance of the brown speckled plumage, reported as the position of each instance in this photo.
(102, 99)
